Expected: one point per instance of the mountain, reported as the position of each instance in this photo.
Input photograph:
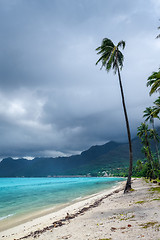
(97, 158)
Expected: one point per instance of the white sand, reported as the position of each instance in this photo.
(118, 216)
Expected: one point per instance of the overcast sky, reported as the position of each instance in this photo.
(54, 100)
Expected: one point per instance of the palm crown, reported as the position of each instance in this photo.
(111, 57)
(154, 82)
(148, 114)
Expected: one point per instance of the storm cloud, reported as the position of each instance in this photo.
(53, 99)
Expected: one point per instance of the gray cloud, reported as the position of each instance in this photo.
(54, 100)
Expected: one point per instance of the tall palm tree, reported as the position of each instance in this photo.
(154, 82)
(112, 58)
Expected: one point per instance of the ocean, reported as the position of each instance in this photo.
(23, 196)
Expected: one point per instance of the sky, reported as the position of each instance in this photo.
(54, 100)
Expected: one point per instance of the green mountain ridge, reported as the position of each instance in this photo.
(107, 157)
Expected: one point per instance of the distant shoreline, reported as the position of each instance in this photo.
(68, 176)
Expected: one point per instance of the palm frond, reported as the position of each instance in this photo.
(150, 82)
(121, 44)
(120, 59)
(99, 60)
(107, 42)
(111, 59)
(153, 76)
(155, 87)
(156, 108)
(157, 101)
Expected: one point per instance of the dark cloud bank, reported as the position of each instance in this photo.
(53, 99)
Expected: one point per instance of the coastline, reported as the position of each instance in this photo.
(111, 215)
(29, 212)
(46, 218)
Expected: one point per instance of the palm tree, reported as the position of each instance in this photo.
(149, 114)
(154, 82)
(111, 57)
(154, 135)
(144, 134)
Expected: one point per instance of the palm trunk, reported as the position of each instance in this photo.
(149, 154)
(128, 183)
(157, 149)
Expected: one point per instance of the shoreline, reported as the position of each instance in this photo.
(109, 215)
(50, 217)
(13, 220)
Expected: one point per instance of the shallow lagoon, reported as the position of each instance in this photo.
(21, 196)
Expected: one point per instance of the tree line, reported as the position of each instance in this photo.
(150, 166)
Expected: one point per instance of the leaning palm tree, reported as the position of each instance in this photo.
(154, 82)
(112, 58)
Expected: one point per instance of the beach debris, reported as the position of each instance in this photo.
(67, 236)
(69, 216)
(113, 229)
(63, 221)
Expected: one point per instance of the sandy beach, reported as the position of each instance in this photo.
(110, 215)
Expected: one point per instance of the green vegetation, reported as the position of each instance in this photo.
(140, 202)
(125, 217)
(106, 239)
(149, 167)
(154, 82)
(155, 189)
(148, 224)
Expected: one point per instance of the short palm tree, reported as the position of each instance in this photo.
(144, 134)
(112, 58)
(154, 135)
(154, 82)
(149, 114)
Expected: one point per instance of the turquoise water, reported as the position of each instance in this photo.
(25, 195)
